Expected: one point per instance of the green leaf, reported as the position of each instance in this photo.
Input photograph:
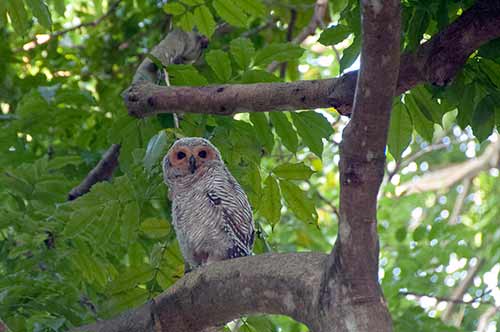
(59, 6)
(334, 35)
(130, 222)
(270, 207)
(157, 148)
(350, 54)
(291, 171)
(257, 76)
(483, 119)
(41, 12)
(204, 20)
(442, 14)
(219, 62)
(285, 131)
(429, 107)
(132, 298)
(18, 15)
(278, 52)
(108, 222)
(3, 14)
(80, 220)
(419, 233)
(312, 128)
(193, 2)
(155, 228)
(492, 70)
(263, 130)
(401, 234)
(60, 162)
(242, 51)
(130, 278)
(400, 130)
(230, 13)
(174, 8)
(422, 125)
(252, 7)
(187, 21)
(416, 27)
(185, 75)
(466, 106)
(297, 200)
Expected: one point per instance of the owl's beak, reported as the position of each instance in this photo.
(192, 164)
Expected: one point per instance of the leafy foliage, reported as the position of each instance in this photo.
(67, 263)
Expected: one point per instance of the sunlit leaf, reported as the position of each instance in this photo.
(291, 171)
(204, 20)
(312, 128)
(400, 130)
(270, 207)
(263, 130)
(155, 228)
(277, 52)
(220, 64)
(155, 150)
(230, 13)
(285, 130)
(242, 51)
(297, 200)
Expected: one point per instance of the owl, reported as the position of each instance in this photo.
(210, 212)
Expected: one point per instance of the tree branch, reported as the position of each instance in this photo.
(215, 294)
(462, 288)
(352, 267)
(435, 61)
(101, 172)
(449, 175)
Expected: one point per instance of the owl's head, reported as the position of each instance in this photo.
(189, 157)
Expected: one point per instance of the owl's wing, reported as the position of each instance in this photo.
(227, 196)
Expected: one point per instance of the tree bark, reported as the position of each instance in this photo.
(436, 61)
(350, 295)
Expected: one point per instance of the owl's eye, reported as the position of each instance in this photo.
(180, 155)
(202, 154)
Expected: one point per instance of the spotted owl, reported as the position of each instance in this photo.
(211, 213)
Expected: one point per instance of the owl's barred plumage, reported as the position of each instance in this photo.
(211, 213)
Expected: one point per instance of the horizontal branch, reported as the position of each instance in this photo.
(435, 61)
(215, 294)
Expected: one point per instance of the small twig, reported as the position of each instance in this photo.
(101, 172)
(450, 299)
(459, 202)
(289, 32)
(402, 163)
(334, 209)
(315, 22)
(92, 23)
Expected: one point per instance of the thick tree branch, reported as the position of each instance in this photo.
(352, 268)
(272, 283)
(435, 61)
(101, 172)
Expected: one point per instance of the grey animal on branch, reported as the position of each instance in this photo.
(210, 211)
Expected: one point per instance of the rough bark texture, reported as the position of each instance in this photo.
(213, 295)
(350, 293)
(435, 61)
